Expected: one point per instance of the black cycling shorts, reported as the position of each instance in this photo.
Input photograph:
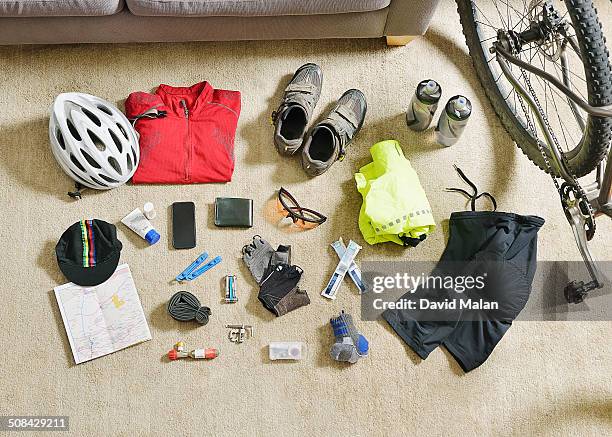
(503, 244)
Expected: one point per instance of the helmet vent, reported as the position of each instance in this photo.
(73, 131)
(116, 140)
(76, 176)
(97, 141)
(76, 162)
(123, 131)
(104, 109)
(130, 166)
(114, 164)
(107, 179)
(98, 182)
(60, 139)
(134, 156)
(92, 117)
(90, 160)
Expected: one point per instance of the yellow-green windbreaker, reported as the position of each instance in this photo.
(395, 207)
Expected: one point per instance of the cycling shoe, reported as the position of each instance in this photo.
(293, 115)
(328, 140)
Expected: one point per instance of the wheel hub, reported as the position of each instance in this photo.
(552, 27)
(546, 30)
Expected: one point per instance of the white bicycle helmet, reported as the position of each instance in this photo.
(93, 141)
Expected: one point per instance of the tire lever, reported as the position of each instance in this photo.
(185, 273)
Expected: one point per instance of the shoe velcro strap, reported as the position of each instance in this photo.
(342, 124)
(348, 116)
(300, 88)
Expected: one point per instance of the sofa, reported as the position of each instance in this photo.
(117, 21)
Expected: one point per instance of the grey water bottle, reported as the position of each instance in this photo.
(423, 105)
(453, 120)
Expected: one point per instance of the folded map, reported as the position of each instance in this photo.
(103, 319)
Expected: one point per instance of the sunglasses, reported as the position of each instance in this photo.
(304, 218)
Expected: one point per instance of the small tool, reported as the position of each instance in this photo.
(195, 269)
(201, 354)
(230, 289)
(239, 333)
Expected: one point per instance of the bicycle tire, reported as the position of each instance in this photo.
(593, 147)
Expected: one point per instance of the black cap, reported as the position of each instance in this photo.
(88, 252)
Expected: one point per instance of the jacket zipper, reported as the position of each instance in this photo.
(187, 142)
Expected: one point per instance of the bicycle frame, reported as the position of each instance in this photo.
(599, 193)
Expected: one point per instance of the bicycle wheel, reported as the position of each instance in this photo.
(565, 39)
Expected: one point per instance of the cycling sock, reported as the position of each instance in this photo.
(350, 345)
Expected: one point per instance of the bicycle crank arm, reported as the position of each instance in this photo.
(575, 292)
(596, 111)
(576, 221)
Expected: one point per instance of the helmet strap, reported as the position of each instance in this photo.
(79, 188)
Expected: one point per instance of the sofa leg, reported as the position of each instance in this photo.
(399, 40)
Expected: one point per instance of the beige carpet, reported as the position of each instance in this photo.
(543, 379)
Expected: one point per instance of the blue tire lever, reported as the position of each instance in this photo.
(185, 273)
(206, 267)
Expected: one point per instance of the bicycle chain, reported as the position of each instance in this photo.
(580, 194)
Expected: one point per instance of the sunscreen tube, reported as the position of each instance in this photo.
(138, 223)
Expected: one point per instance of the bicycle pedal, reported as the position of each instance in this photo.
(573, 292)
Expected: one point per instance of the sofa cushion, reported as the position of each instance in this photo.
(45, 8)
(201, 8)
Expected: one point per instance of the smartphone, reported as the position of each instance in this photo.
(183, 225)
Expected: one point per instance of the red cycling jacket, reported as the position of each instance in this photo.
(186, 134)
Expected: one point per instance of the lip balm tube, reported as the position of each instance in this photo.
(149, 211)
(138, 223)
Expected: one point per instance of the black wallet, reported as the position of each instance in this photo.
(233, 211)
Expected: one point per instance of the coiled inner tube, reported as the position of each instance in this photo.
(184, 306)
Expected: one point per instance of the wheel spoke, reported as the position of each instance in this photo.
(562, 128)
(522, 16)
(500, 15)
(485, 17)
(489, 25)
